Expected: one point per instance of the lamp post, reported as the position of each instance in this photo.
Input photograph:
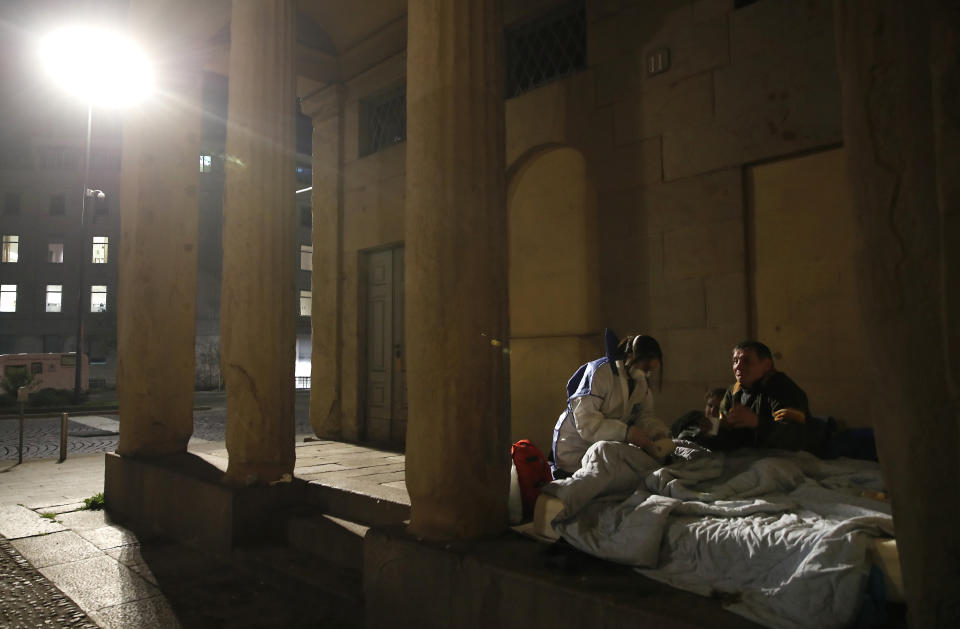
(103, 68)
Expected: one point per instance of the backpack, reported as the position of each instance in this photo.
(533, 472)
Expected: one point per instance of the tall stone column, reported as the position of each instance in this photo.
(326, 110)
(456, 275)
(258, 292)
(900, 82)
(156, 300)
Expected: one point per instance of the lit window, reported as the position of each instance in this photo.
(11, 248)
(306, 300)
(98, 299)
(100, 244)
(8, 297)
(55, 252)
(54, 297)
(306, 257)
(206, 163)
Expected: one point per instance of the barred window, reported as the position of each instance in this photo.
(547, 48)
(384, 121)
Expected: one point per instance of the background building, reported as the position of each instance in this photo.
(41, 172)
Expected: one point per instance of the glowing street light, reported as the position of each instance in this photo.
(97, 65)
(103, 68)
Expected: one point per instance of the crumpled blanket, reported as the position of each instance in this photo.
(782, 537)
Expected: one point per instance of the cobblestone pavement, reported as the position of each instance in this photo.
(41, 436)
(30, 600)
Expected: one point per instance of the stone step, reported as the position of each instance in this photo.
(356, 502)
(332, 539)
(302, 570)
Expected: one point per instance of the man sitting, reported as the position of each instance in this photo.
(763, 408)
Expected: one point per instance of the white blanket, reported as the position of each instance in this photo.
(781, 537)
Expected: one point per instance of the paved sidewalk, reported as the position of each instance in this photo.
(121, 580)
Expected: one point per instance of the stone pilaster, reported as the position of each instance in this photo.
(258, 292)
(326, 110)
(456, 274)
(898, 70)
(156, 299)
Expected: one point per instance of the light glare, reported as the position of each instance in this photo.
(102, 67)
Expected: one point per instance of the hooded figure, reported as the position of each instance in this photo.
(609, 399)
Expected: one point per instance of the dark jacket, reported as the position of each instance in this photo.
(773, 392)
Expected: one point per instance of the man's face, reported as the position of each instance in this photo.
(713, 407)
(748, 368)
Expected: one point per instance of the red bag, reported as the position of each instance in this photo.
(533, 472)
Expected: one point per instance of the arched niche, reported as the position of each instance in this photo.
(554, 288)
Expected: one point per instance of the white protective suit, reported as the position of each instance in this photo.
(599, 408)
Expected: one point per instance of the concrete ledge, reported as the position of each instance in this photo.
(515, 583)
(182, 496)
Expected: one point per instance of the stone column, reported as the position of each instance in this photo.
(259, 252)
(900, 79)
(156, 299)
(326, 110)
(456, 274)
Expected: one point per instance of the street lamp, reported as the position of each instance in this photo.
(103, 68)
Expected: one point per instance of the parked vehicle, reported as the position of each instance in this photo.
(49, 370)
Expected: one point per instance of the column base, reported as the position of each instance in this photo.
(509, 580)
(184, 497)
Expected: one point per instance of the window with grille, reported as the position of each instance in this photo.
(545, 49)
(384, 121)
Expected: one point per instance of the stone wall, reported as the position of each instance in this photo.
(665, 157)
(746, 85)
(373, 202)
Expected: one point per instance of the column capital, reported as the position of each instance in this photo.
(325, 103)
